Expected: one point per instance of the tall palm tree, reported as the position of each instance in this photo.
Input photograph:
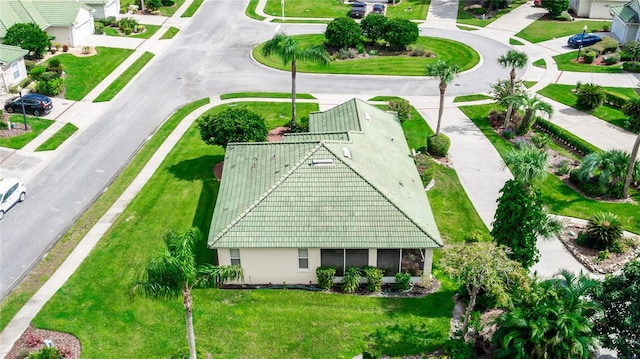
(446, 73)
(527, 164)
(631, 168)
(531, 106)
(515, 60)
(289, 51)
(175, 271)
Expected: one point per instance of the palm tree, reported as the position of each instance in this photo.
(527, 164)
(532, 106)
(631, 168)
(288, 50)
(446, 73)
(515, 60)
(175, 271)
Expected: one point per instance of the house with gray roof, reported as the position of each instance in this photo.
(69, 21)
(625, 25)
(12, 67)
(345, 194)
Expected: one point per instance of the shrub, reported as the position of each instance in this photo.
(153, 5)
(602, 255)
(54, 65)
(301, 125)
(589, 57)
(475, 236)
(428, 166)
(562, 168)
(168, 2)
(86, 50)
(614, 99)
(343, 32)
(403, 281)
(360, 48)
(351, 280)
(400, 33)
(618, 246)
(345, 53)
(50, 88)
(402, 107)
(372, 26)
(566, 137)
(590, 97)
(49, 76)
(374, 278)
(458, 348)
(47, 353)
(3, 124)
(540, 140)
(127, 22)
(631, 66)
(632, 124)
(110, 21)
(508, 133)
(373, 53)
(438, 145)
(36, 72)
(612, 59)
(417, 51)
(98, 28)
(496, 118)
(325, 276)
(603, 230)
(127, 31)
(29, 64)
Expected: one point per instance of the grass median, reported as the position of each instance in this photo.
(116, 86)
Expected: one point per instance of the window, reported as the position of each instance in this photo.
(15, 70)
(333, 258)
(303, 258)
(234, 254)
(356, 258)
(389, 261)
(412, 261)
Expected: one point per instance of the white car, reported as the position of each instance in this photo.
(12, 191)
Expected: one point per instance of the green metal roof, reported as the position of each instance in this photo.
(626, 12)
(363, 193)
(60, 12)
(345, 117)
(334, 136)
(9, 54)
(18, 11)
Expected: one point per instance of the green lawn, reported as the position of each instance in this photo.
(448, 50)
(469, 19)
(545, 29)
(170, 10)
(170, 33)
(564, 95)
(513, 41)
(306, 8)
(251, 10)
(566, 62)
(151, 29)
(36, 126)
(265, 95)
(229, 323)
(475, 97)
(85, 73)
(58, 138)
(191, 10)
(409, 9)
(558, 197)
(116, 86)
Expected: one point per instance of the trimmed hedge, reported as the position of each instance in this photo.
(614, 99)
(438, 145)
(589, 57)
(631, 66)
(567, 138)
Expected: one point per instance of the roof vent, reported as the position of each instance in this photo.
(322, 162)
(367, 116)
(346, 152)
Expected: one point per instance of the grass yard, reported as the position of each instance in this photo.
(251, 10)
(58, 138)
(151, 29)
(259, 323)
(563, 94)
(409, 9)
(566, 62)
(191, 10)
(265, 95)
(170, 33)
(469, 19)
(85, 73)
(475, 97)
(558, 197)
(36, 125)
(116, 86)
(306, 8)
(448, 50)
(545, 29)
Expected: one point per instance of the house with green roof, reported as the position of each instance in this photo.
(345, 194)
(69, 21)
(625, 25)
(13, 69)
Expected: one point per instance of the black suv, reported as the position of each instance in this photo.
(33, 103)
(358, 10)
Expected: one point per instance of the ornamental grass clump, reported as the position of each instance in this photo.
(351, 280)
(603, 231)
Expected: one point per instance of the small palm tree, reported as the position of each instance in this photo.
(632, 168)
(175, 271)
(446, 73)
(532, 106)
(289, 51)
(515, 60)
(527, 164)
(590, 97)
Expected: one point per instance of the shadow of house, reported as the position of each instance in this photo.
(347, 193)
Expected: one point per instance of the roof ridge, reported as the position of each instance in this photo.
(268, 192)
(385, 197)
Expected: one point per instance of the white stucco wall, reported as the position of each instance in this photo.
(278, 265)
(8, 74)
(594, 9)
(83, 27)
(62, 35)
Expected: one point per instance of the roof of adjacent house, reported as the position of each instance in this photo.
(627, 12)
(43, 13)
(10, 54)
(354, 187)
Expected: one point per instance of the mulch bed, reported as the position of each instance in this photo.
(33, 339)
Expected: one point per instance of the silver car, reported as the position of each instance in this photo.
(12, 191)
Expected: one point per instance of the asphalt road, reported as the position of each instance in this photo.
(211, 56)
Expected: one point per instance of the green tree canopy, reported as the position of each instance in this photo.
(29, 37)
(445, 72)
(482, 266)
(373, 26)
(400, 33)
(555, 7)
(618, 327)
(343, 32)
(515, 60)
(232, 125)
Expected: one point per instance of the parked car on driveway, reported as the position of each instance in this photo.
(34, 103)
(12, 191)
(378, 9)
(583, 40)
(537, 3)
(358, 10)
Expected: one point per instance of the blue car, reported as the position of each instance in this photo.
(583, 40)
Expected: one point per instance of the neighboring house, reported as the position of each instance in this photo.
(626, 21)
(104, 8)
(345, 194)
(69, 21)
(594, 9)
(12, 65)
